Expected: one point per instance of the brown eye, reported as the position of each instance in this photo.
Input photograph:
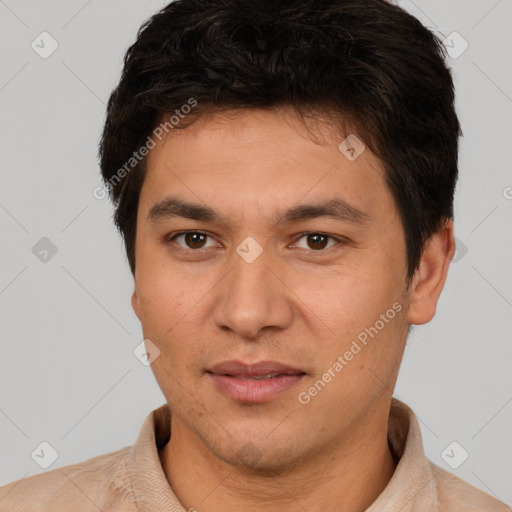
(317, 241)
(192, 239)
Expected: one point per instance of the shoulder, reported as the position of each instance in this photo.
(100, 483)
(454, 494)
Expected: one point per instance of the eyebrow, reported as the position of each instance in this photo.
(335, 208)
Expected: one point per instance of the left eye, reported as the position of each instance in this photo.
(317, 241)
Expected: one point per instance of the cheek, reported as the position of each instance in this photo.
(159, 286)
(356, 311)
(162, 309)
(170, 314)
(364, 359)
(348, 299)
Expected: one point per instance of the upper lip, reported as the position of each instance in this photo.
(253, 370)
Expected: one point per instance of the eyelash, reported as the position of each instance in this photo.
(170, 239)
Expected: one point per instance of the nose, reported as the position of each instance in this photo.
(253, 296)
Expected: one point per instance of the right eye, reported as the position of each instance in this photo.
(193, 239)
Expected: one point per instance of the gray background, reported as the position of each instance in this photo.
(67, 372)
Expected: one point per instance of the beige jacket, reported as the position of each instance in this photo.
(132, 479)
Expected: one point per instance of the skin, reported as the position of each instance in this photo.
(301, 302)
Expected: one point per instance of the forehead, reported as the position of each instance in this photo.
(251, 160)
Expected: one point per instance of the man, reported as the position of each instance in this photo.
(283, 175)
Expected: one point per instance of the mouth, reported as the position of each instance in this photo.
(255, 377)
(254, 383)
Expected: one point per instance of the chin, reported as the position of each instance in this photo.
(261, 458)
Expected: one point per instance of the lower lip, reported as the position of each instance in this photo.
(254, 391)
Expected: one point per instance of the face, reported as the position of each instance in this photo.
(254, 276)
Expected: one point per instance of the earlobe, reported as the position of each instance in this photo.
(135, 303)
(430, 276)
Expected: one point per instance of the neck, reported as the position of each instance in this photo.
(349, 476)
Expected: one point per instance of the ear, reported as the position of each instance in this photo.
(135, 303)
(430, 276)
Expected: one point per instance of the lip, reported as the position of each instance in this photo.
(231, 378)
(235, 367)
